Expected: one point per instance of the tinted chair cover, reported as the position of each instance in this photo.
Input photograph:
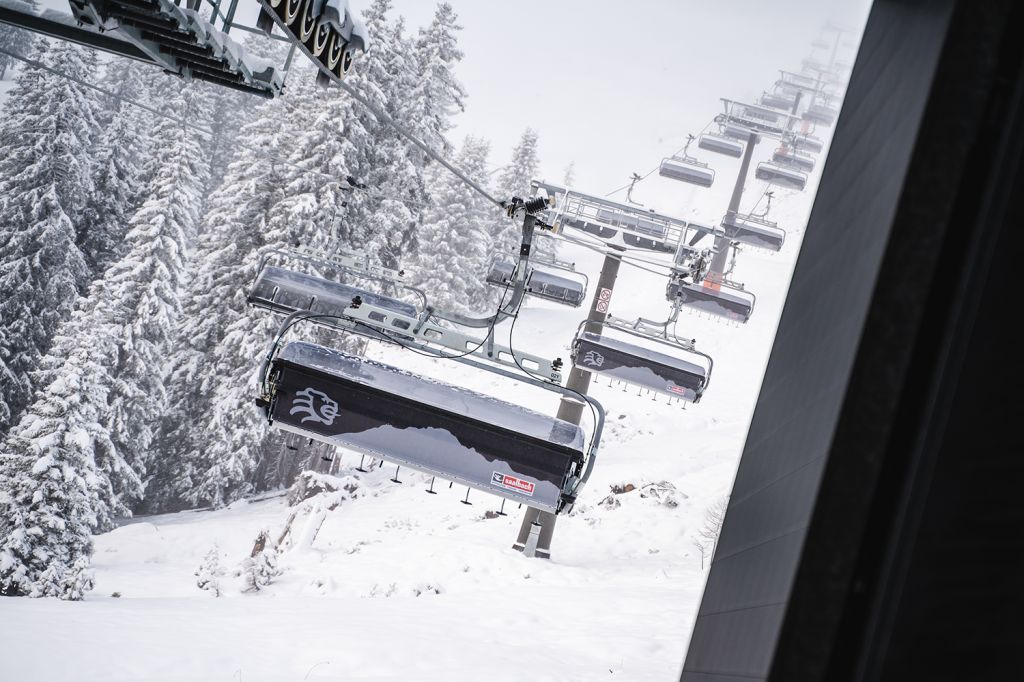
(778, 174)
(433, 427)
(721, 145)
(754, 231)
(639, 365)
(714, 299)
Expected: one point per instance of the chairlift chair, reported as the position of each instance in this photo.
(736, 132)
(805, 142)
(721, 145)
(778, 101)
(686, 168)
(541, 283)
(791, 83)
(754, 230)
(778, 174)
(286, 290)
(821, 114)
(614, 358)
(815, 66)
(617, 223)
(759, 113)
(755, 117)
(637, 231)
(789, 157)
(430, 426)
(715, 297)
(596, 229)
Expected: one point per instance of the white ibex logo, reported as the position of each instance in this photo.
(593, 358)
(316, 405)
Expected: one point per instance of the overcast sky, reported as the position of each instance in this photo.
(615, 86)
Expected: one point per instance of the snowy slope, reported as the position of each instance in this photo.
(400, 584)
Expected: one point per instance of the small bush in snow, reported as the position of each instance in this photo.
(209, 573)
(662, 492)
(260, 568)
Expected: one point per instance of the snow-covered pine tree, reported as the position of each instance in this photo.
(304, 193)
(514, 180)
(85, 349)
(126, 80)
(229, 112)
(210, 572)
(145, 285)
(452, 265)
(569, 175)
(48, 485)
(314, 191)
(47, 129)
(16, 40)
(438, 94)
(117, 192)
(120, 335)
(392, 168)
(223, 267)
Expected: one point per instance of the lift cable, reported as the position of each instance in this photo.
(108, 93)
(399, 128)
(206, 131)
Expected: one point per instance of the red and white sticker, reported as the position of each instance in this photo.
(508, 482)
(602, 306)
(605, 295)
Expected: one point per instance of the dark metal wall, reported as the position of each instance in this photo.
(802, 584)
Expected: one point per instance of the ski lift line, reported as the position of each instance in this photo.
(333, 178)
(385, 118)
(39, 65)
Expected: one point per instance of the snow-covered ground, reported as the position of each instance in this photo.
(402, 585)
